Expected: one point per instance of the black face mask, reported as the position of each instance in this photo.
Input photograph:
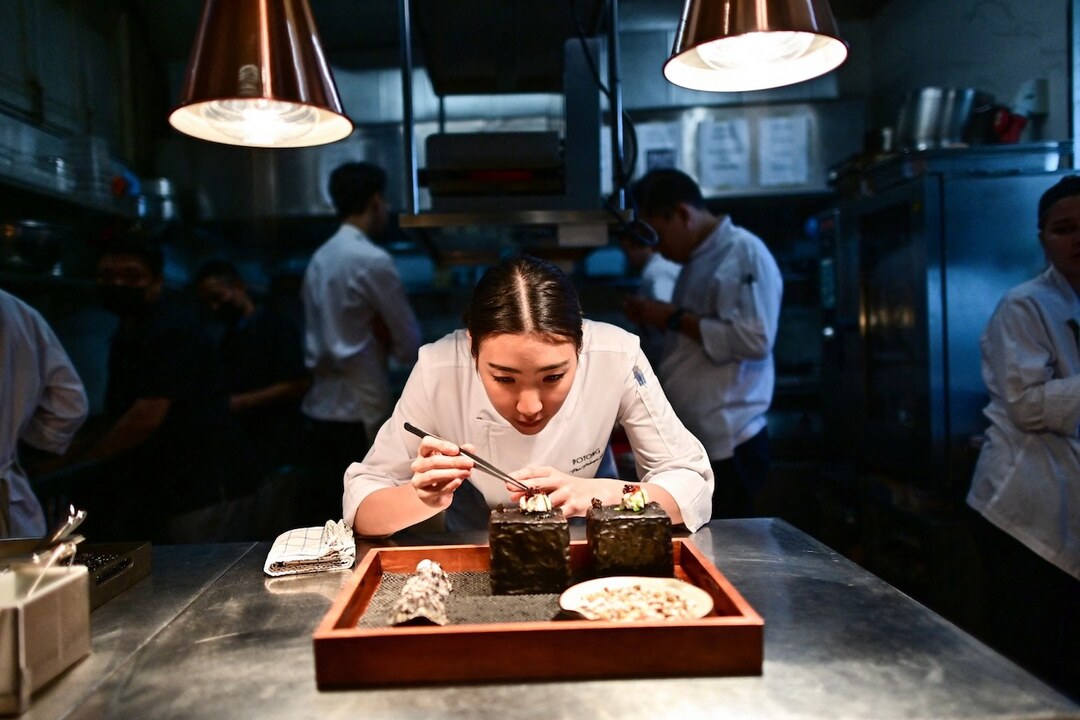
(123, 300)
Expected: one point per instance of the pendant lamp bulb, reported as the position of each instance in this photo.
(248, 79)
(257, 78)
(743, 52)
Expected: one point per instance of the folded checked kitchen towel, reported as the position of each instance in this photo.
(313, 549)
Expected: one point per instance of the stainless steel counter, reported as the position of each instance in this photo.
(209, 636)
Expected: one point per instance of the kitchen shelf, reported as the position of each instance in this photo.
(105, 205)
(508, 217)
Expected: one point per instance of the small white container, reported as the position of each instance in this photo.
(42, 634)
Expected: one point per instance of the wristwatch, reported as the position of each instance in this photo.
(674, 320)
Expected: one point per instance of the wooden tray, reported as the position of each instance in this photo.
(729, 641)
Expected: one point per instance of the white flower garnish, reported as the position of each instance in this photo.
(537, 503)
(636, 499)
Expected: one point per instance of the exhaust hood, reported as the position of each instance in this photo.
(488, 47)
(480, 47)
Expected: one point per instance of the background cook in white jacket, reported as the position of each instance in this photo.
(535, 390)
(1027, 481)
(1026, 485)
(42, 403)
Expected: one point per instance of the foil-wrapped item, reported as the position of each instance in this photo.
(423, 599)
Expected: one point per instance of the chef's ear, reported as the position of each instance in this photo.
(684, 212)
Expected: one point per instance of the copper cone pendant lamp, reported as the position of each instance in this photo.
(257, 77)
(742, 45)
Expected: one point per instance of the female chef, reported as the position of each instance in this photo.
(1026, 484)
(535, 390)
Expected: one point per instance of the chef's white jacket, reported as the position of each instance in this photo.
(722, 386)
(42, 402)
(614, 384)
(350, 281)
(1027, 479)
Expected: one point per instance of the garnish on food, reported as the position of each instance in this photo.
(634, 498)
(535, 500)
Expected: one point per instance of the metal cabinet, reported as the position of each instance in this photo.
(912, 269)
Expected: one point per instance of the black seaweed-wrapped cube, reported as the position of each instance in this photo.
(530, 552)
(625, 542)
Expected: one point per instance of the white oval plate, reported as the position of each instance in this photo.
(631, 599)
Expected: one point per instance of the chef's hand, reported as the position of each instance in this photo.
(644, 311)
(438, 470)
(573, 494)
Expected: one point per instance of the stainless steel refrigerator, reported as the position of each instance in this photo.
(913, 262)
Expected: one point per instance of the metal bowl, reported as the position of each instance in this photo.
(934, 117)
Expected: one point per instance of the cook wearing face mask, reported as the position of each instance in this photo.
(173, 460)
(126, 286)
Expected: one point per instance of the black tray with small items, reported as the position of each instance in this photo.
(113, 567)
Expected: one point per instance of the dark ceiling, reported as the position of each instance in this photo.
(360, 34)
(857, 9)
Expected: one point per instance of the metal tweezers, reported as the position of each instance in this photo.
(481, 463)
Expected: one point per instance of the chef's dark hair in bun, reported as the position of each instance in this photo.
(524, 295)
(352, 186)
(1066, 187)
